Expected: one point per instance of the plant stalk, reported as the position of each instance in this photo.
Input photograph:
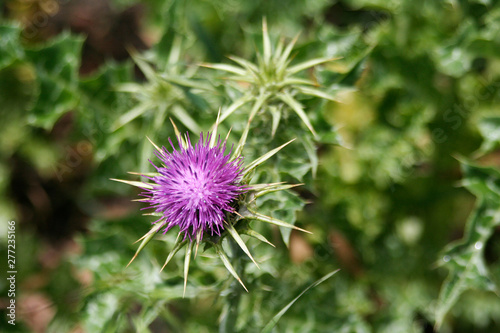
(230, 317)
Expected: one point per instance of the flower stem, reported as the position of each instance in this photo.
(228, 323)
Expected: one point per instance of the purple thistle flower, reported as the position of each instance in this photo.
(195, 187)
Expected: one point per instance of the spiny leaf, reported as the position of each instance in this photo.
(227, 263)
(147, 174)
(295, 81)
(272, 220)
(178, 135)
(284, 57)
(185, 118)
(266, 43)
(226, 68)
(187, 260)
(145, 240)
(308, 64)
(240, 242)
(257, 105)
(317, 93)
(264, 158)
(158, 149)
(186, 83)
(178, 245)
(213, 131)
(251, 68)
(134, 183)
(133, 88)
(273, 188)
(235, 105)
(255, 234)
(241, 143)
(145, 68)
(465, 258)
(270, 325)
(276, 115)
(290, 101)
(130, 115)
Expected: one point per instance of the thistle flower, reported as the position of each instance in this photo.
(195, 187)
(208, 195)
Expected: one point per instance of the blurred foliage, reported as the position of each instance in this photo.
(415, 115)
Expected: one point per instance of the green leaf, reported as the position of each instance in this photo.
(56, 66)
(184, 117)
(235, 105)
(145, 240)
(268, 219)
(227, 263)
(10, 45)
(249, 168)
(256, 235)
(134, 183)
(272, 323)
(283, 60)
(308, 64)
(465, 258)
(130, 115)
(266, 43)
(240, 242)
(490, 130)
(291, 102)
(226, 68)
(179, 244)
(187, 260)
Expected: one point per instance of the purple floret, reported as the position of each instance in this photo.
(195, 187)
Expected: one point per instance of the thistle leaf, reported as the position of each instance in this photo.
(308, 64)
(158, 149)
(227, 263)
(317, 93)
(272, 220)
(147, 174)
(273, 188)
(132, 88)
(255, 234)
(130, 115)
(291, 102)
(145, 240)
(240, 242)
(465, 258)
(280, 67)
(179, 244)
(251, 68)
(178, 135)
(264, 158)
(134, 183)
(185, 118)
(213, 131)
(257, 105)
(145, 68)
(270, 325)
(233, 107)
(187, 260)
(241, 143)
(276, 115)
(266, 43)
(185, 83)
(227, 68)
(295, 81)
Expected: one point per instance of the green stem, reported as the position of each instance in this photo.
(228, 324)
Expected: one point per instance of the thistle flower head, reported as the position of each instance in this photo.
(195, 187)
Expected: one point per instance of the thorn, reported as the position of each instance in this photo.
(135, 255)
